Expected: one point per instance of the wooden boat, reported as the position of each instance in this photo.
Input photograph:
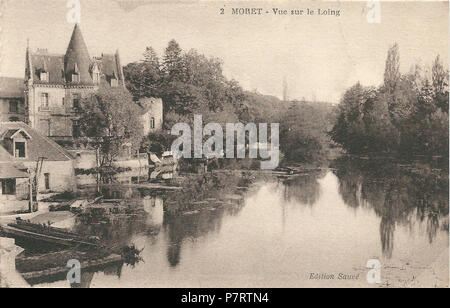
(27, 231)
(35, 268)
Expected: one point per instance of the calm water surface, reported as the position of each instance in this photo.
(283, 230)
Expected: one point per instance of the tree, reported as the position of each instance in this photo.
(440, 84)
(407, 114)
(173, 65)
(143, 79)
(392, 69)
(112, 120)
(349, 129)
(303, 134)
(151, 57)
(439, 76)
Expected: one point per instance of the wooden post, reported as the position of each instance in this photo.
(38, 173)
(97, 163)
(30, 188)
(36, 182)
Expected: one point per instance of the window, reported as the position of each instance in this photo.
(9, 187)
(14, 106)
(44, 101)
(114, 82)
(152, 123)
(75, 129)
(47, 181)
(96, 77)
(95, 74)
(44, 76)
(19, 149)
(14, 119)
(76, 100)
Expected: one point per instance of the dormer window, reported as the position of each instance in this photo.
(20, 149)
(76, 74)
(75, 78)
(44, 76)
(16, 142)
(96, 78)
(96, 74)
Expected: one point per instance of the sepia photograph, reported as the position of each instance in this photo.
(209, 146)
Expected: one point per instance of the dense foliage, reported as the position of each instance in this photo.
(111, 120)
(408, 114)
(191, 83)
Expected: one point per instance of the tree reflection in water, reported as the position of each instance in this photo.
(397, 193)
(304, 188)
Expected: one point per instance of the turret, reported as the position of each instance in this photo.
(77, 61)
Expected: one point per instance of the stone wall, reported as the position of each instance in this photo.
(61, 175)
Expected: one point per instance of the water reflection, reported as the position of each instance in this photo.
(304, 189)
(399, 194)
(193, 226)
(213, 234)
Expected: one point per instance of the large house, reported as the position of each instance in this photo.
(22, 151)
(12, 104)
(55, 85)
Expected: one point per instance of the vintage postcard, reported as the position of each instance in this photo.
(216, 145)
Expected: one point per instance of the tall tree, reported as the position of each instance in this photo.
(392, 69)
(173, 64)
(439, 76)
(349, 129)
(143, 79)
(112, 120)
(151, 57)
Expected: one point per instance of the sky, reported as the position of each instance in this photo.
(319, 56)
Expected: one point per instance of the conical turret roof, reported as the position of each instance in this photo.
(77, 58)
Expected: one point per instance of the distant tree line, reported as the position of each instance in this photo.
(191, 83)
(407, 114)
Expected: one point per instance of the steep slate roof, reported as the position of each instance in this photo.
(76, 60)
(108, 67)
(37, 145)
(11, 87)
(11, 132)
(4, 155)
(50, 63)
(11, 171)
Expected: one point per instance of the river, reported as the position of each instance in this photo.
(318, 229)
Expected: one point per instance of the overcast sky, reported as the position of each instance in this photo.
(320, 56)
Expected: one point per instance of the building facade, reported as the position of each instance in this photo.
(152, 114)
(25, 153)
(12, 100)
(56, 84)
